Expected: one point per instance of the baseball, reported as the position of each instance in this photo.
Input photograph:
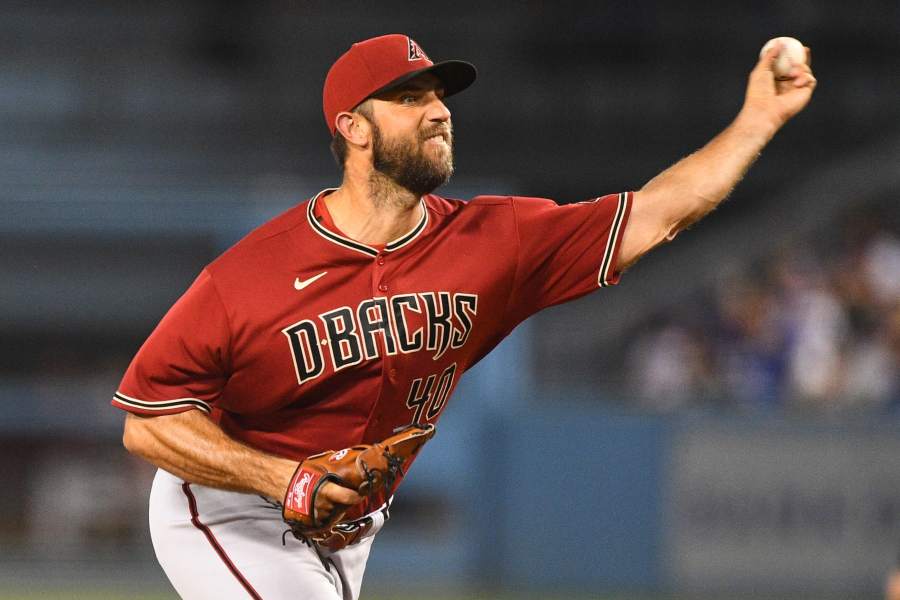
(792, 53)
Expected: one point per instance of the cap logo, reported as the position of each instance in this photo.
(415, 53)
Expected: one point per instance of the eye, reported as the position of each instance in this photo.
(408, 99)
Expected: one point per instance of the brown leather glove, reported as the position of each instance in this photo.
(365, 469)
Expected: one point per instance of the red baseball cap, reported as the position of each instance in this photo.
(378, 64)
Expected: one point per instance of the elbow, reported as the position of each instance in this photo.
(677, 227)
(134, 436)
(669, 211)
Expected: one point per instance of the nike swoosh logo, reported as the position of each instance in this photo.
(299, 285)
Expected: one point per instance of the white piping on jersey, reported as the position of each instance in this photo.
(360, 247)
(162, 405)
(611, 240)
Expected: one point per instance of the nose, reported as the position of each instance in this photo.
(438, 111)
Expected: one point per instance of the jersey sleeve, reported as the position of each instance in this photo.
(183, 365)
(566, 251)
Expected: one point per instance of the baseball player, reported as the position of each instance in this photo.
(353, 315)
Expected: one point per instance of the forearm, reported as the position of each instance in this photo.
(692, 187)
(695, 185)
(194, 448)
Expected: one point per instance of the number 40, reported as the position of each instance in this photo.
(425, 393)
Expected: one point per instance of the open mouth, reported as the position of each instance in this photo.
(438, 138)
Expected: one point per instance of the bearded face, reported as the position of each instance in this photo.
(420, 164)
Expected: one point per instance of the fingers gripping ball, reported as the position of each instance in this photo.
(792, 53)
(366, 469)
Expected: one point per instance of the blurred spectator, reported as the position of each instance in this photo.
(750, 343)
(881, 266)
(816, 331)
(669, 367)
(817, 327)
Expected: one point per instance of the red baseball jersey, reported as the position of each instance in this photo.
(299, 339)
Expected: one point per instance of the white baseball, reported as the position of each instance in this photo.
(792, 53)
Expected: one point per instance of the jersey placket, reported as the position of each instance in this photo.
(381, 288)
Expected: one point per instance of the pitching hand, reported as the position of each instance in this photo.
(333, 497)
(778, 100)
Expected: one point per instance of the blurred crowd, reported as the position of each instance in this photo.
(812, 328)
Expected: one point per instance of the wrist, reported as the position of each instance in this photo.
(279, 479)
(757, 124)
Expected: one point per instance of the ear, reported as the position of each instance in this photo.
(354, 127)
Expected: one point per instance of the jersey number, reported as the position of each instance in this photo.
(429, 395)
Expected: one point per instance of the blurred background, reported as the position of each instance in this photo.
(724, 423)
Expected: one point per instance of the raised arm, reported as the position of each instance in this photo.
(688, 190)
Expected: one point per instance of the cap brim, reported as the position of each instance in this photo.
(456, 75)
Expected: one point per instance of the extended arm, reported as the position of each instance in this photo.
(194, 448)
(688, 190)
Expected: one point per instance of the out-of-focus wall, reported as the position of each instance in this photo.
(793, 507)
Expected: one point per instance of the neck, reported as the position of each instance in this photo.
(372, 209)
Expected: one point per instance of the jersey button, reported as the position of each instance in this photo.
(380, 260)
(392, 373)
(382, 287)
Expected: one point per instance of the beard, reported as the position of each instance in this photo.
(409, 164)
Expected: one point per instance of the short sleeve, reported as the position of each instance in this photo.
(184, 363)
(566, 251)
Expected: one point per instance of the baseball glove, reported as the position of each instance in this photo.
(367, 469)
